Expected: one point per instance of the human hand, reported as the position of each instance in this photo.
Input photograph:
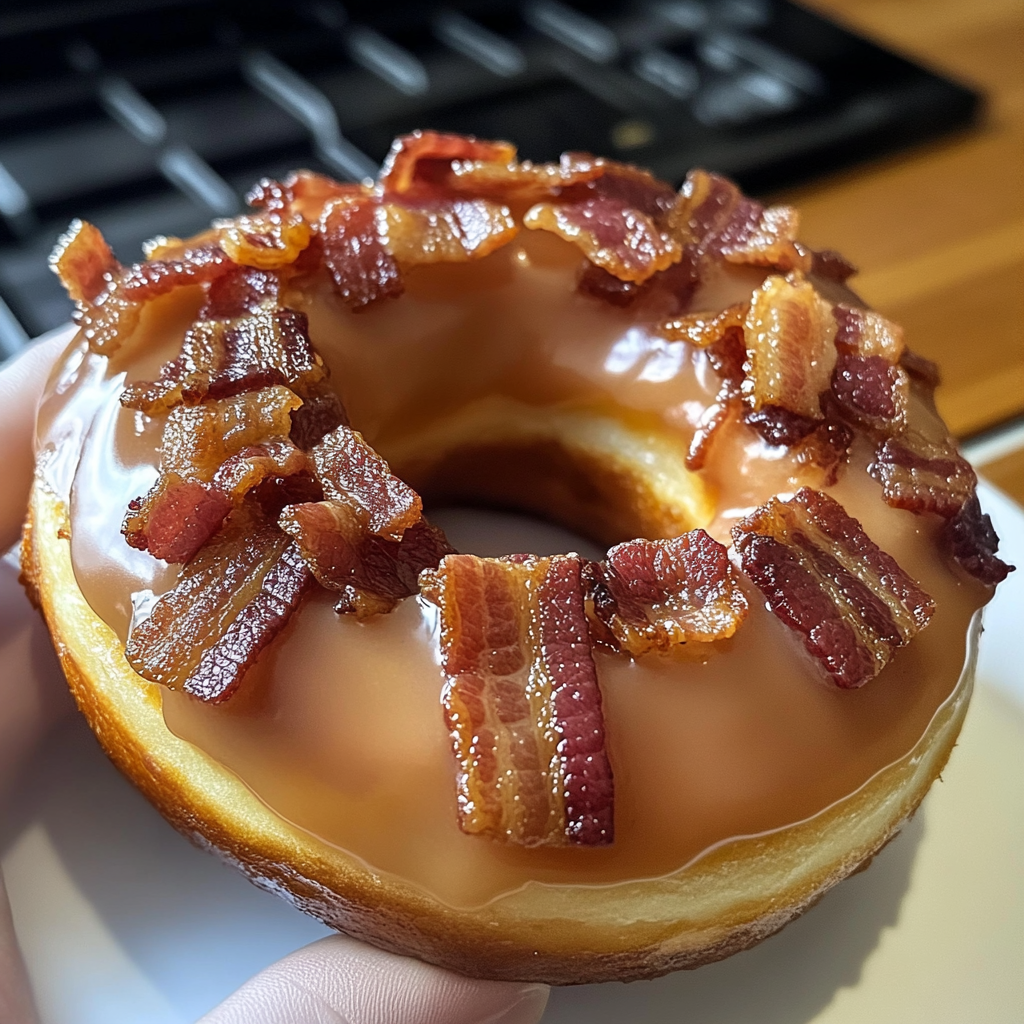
(334, 981)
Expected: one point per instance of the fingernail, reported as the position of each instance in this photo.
(527, 1010)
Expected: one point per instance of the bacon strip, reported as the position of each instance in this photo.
(864, 333)
(721, 223)
(225, 358)
(116, 311)
(972, 543)
(871, 391)
(651, 595)
(849, 602)
(705, 329)
(789, 332)
(83, 262)
(360, 265)
(228, 604)
(452, 231)
(522, 702)
(922, 474)
(426, 157)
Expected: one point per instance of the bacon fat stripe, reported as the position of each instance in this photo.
(521, 700)
(849, 602)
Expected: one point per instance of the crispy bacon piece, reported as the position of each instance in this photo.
(360, 265)
(714, 417)
(832, 265)
(368, 539)
(230, 601)
(270, 239)
(320, 413)
(522, 702)
(310, 192)
(452, 231)
(789, 332)
(653, 594)
(211, 455)
(871, 391)
(972, 543)
(721, 223)
(865, 333)
(620, 222)
(83, 262)
(705, 329)
(116, 311)
(524, 182)
(239, 292)
(425, 158)
(849, 602)
(923, 474)
(223, 358)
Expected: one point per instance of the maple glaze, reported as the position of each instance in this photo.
(339, 726)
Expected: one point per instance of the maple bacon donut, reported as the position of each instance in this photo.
(538, 767)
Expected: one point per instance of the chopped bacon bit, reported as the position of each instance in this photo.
(522, 701)
(704, 329)
(116, 312)
(352, 473)
(241, 291)
(83, 262)
(863, 332)
(599, 284)
(620, 221)
(371, 572)
(320, 413)
(524, 182)
(176, 518)
(244, 470)
(923, 474)
(715, 217)
(230, 601)
(424, 157)
(360, 265)
(310, 192)
(452, 231)
(972, 542)
(654, 594)
(850, 602)
(224, 358)
(831, 265)
(728, 356)
(871, 391)
(827, 448)
(779, 426)
(266, 241)
(789, 332)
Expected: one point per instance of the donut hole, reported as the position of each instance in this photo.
(600, 476)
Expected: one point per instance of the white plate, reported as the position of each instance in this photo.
(122, 921)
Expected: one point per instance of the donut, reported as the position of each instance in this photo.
(545, 767)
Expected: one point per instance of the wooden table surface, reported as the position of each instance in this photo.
(938, 233)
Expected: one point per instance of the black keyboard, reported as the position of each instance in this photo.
(153, 116)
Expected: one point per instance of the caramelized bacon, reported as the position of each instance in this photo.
(320, 413)
(831, 265)
(360, 265)
(116, 311)
(368, 539)
(871, 391)
(789, 332)
(524, 182)
(242, 290)
(923, 474)
(210, 456)
(267, 240)
(721, 223)
(972, 543)
(849, 602)
(371, 573)
(452, 231)
(223, 358)
(654, 594)
(862, 332)
(230, 601)
(83, 262)
(522, 702)
(425, 157)
(619, 221)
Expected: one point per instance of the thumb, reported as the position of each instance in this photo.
(341, 981)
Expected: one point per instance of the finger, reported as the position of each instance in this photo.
(341, 981)
(21, 385)
(15, 1001)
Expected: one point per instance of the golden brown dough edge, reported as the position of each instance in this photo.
(729, 900)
